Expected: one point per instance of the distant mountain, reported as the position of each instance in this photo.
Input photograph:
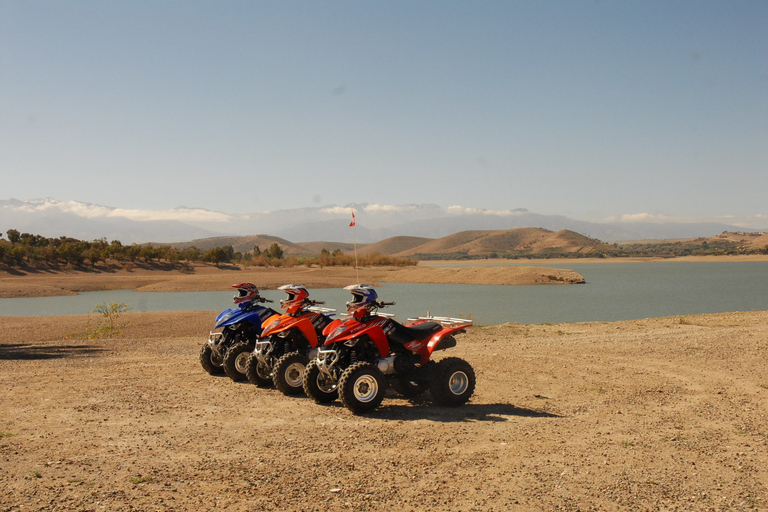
(88, 221)
(84, 221)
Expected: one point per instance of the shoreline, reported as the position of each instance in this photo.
(47, 283)
(208, 278)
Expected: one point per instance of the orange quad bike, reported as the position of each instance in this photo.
(288, 342)
(363, 354)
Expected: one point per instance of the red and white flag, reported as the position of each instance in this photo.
(353, 219)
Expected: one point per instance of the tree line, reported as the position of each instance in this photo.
(29, 250)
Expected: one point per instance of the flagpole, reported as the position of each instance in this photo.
(354, 243)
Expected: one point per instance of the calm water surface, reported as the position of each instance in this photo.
(614, 291)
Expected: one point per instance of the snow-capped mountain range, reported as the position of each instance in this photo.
(374, 222)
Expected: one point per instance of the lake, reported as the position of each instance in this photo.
(614, 291)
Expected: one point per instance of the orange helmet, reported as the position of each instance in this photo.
(246, 293)
(297, 296)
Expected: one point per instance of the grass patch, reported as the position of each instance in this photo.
(7, 434)
(108, 322)
(141, 479)
(37, 474)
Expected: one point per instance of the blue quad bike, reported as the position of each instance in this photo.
(227, 351)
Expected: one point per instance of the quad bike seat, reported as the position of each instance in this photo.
(403, 334)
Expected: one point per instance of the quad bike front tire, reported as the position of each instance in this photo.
(453, 383)
(288, 373)
(257, 373)
(361, 387)
(235, 359)
(209, 361)
(317, 385)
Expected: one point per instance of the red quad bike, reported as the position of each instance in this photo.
(360, 351)
(288, 342)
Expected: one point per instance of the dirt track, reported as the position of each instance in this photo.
(659, 414)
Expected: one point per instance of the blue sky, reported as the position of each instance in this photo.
(590, 109)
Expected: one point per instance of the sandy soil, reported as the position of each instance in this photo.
(657, 414)
(209, 278)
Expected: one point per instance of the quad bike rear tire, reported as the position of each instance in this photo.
(361, 387)
(209, 361)
(453, 383)
(288, 373)
(317, 385)
(257, 373)
(235, 359)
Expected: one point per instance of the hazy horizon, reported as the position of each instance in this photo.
(374, 222)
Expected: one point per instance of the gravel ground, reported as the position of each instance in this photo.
(657, 414)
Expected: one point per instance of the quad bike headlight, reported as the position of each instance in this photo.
(337, 331)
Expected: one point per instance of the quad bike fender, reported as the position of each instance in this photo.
(266, 323)
(307, 329)
(443, 339)
(280, 323)
(230, 317)
(234, 316)
(355, 329)
(380, 340)
(332, 326)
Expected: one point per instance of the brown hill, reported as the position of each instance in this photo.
(522, 241)
(749, 240)
(394, 245)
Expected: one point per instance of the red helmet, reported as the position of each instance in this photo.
(246, 292)
(297, 295)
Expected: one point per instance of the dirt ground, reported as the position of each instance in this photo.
(657, 414)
